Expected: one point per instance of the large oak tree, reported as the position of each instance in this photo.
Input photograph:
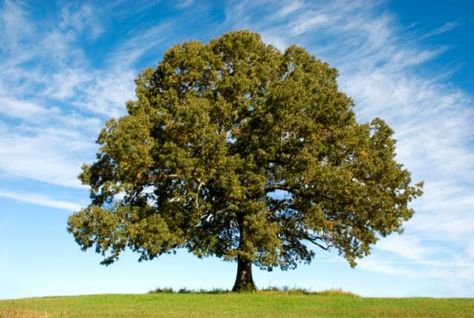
(237, 150)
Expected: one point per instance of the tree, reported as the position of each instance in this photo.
(237, 150)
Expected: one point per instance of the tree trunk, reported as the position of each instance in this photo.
(243, 280)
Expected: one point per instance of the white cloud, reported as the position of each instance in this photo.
(407, 247)
(288, 7)
(81, 20)
(308, 22)
(276, 41)
(183, 4)
(105, 92)
(40, 199)
(462, 270)
(448, 26)
(49, 155)
(66, 83)
(13, 22)
(57, 117)
(21, 109)
(139, 42)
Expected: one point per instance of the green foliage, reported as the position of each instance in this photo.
(237, 150)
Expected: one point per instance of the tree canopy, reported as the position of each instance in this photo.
(237, 150)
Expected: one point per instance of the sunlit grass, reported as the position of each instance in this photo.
(332, 303)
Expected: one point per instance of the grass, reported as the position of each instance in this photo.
(261, 304)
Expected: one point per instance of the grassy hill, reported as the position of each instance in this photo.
(266, 304)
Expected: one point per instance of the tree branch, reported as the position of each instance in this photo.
(197, 192)
(307, 237)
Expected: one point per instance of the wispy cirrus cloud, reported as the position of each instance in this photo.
(40, 199)
(308, 23)
(448, 26)
(287, 8)
(81, 20)
(183, 4)
(49, 123)
(26, 110)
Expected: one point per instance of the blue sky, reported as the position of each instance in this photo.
(66, 67)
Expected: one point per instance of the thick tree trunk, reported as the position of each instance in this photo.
(243, 280)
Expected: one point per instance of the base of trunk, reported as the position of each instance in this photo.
(243, 280)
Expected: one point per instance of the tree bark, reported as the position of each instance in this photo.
(243, 280)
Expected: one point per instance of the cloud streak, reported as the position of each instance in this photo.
(39, 199)
(448, 26)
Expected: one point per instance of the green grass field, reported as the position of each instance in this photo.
(277, 304)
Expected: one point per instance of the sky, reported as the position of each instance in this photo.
(67, 67)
